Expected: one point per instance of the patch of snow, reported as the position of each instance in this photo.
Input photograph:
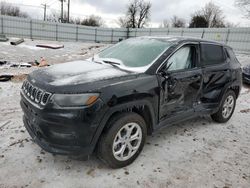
(30, 47)
(194, 153)
(6, 53)
(78, 72)
(88, 77)
(74, 67)
(5, 43)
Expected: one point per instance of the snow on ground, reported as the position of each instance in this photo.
(28, 52)
(197, 153)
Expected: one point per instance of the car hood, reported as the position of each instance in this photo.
(68, 76)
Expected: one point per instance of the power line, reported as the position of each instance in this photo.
(84, 15)
(224, 5)
(47, 2)
(25, 5)
(53, 2)
(48, 7)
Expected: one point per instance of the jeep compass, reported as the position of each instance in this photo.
(109, 103)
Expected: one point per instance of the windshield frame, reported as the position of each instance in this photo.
(142, 69)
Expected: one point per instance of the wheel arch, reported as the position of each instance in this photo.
(142, 107)
(235, 88)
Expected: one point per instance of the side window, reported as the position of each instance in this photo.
(212, 54)
(182, 59)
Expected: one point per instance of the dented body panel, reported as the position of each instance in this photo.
(160, 97)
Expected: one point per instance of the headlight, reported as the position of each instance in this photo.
(75, 100)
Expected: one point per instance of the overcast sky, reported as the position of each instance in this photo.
(111, 10)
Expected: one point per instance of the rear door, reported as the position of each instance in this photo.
(216, 72)
(182, 83)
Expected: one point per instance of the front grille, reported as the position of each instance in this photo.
(45, 98)
(35, 94)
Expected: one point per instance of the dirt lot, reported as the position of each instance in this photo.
(198, 153)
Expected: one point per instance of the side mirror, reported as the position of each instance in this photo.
(164, 74)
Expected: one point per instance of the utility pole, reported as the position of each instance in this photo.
(61, 10)
(68, 9)
(45, 9)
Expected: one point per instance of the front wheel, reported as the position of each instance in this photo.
(226, 109)
(123, 141)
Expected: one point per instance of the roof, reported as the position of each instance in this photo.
(181, 39)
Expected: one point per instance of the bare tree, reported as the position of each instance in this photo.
(55, 16)
(92, 20)
(123, 22)
(137, 16)
(213, 15)
(177, 22)
(10, 10)
(245, 5)
(198, 21)
(95, 21)
(76, 21)
(164, 24)
(231, 25)
(209, 16)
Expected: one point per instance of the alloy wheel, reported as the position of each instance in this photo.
(228, 106)
(127, 141)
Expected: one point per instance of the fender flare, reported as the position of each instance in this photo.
(224, 90)
(120, 108)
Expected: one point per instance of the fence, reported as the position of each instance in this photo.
(36, 29)
(238, 38)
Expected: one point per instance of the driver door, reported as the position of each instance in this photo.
(181, 83)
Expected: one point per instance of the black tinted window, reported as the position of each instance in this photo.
(211, 54)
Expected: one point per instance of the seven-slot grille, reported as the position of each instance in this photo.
(35, 94)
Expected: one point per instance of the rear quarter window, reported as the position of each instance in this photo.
(212, 54)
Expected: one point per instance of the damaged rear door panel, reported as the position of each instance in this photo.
(216, 72)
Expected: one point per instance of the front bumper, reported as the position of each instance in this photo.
(62, 131)
(246, 78)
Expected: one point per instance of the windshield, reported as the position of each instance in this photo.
(137, 52)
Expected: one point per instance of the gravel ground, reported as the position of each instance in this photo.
(198, 153)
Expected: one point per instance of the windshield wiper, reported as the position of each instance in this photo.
(111, 62)
(106, 60)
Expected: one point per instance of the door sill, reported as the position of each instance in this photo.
(176, 119)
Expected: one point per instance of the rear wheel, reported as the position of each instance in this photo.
(226, 109)
(121, 144)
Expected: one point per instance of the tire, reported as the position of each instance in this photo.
(221, 116)
(116, 137)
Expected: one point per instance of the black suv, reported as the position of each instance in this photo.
(109, 103)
